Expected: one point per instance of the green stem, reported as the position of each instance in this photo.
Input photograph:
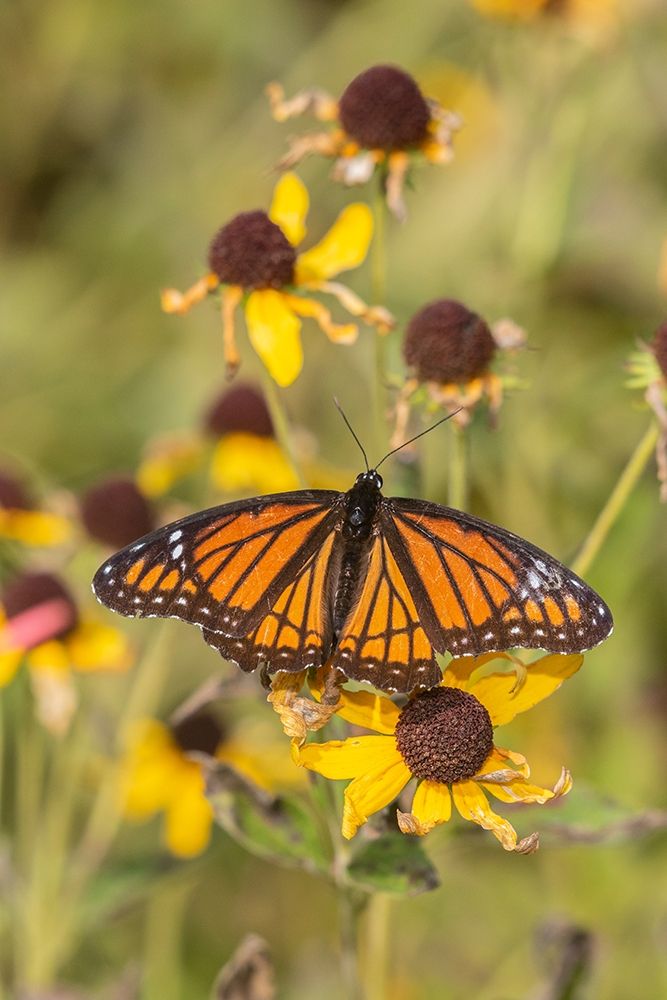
(281, 424)
(457, 481)
(377, 946)
(617, 500)
(378, 296)
(350, 907)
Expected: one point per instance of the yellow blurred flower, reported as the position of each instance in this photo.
(22, 521)
(444, 738)
(40, 624)
(255, 261)
(381, 120)
(158, 775)
(592, 19)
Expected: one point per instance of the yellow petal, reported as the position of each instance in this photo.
(244, 463)
(521, 791)
(344, 246)
(167, 461)
(147, 770)
(289, 207)
(10, 661)
(496, 767)
(459, 670)
(348, 758)
(497, 691)
(373, 791)
(273, 329)
(362, 708)
(472, 804)
(269, 769)
(92, 646)
(34, 527)
(49, 656)
(189, 816)
(431, 805)
(339, 333)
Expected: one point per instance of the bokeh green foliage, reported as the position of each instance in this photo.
(131, 132)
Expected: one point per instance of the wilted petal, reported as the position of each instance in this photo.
(374, 790)
(472, 804)
(431, 805)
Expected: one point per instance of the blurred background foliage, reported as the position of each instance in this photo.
(131, 132)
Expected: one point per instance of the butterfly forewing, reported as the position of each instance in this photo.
(480, 588)
(248, 570)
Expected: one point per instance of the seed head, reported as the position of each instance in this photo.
(201, 732)
(12, 494)
(241, 408)
(115, 512)
(446, 342)
(253, 252)
(383, 108)
(30, 590)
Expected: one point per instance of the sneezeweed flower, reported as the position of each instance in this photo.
(382, 120)
(449, 352)
(115, 512)
(40, 623)
(254, 259)
(648, 371)
(443, 738)
(159, 775)
(23, 520)
(593, 20)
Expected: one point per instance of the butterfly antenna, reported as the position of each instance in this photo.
(351, 430)
(417, 436)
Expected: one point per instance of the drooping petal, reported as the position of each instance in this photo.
(289, 207)
(503, 700)
(273, 329)
(376, 316)
(350, 758)
(92, 646)
(339, 333)
(518, 790)
(373, 791)
(344, 246)
(189, 815)
(431, 805)
(495, 767)
(362, 708)
(472, 804)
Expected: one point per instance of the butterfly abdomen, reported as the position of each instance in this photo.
(362, 505)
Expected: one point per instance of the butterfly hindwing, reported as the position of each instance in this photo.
(383, 641)
(248, 571)
(480, 588)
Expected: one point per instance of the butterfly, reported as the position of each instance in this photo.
(375, 585)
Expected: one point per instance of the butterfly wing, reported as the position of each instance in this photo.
(479, 588)
(383, 641)
(254, 575)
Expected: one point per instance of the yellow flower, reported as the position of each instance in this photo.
(382, 119)
(21, 521)
(449, 351)
(444, 738)
(254, 259)
(592, 19)
(39, 623)
(158, 775)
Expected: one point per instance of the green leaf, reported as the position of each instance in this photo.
(585, 816)
(275, 828)
(393, 863)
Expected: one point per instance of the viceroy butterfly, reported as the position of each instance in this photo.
(377, 585)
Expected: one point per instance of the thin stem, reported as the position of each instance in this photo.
(377, 946)
(457, 481)
(617, 500)
(378, 296)
(281, 424)
(350, 907)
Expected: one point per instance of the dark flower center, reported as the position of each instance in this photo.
(660, 347)
(444, 735)
(12, 494)
(446, 342)
(201, 732)
(115, 513)
(34, 589)
(241, 408)
(253, 252)
(383, 108)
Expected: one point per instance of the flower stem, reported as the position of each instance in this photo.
(350, 907)
(377, 946)
(457, 480)
(378, 295)
(281, 424)
(617, 500)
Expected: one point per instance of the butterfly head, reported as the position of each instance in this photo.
(372, 477)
